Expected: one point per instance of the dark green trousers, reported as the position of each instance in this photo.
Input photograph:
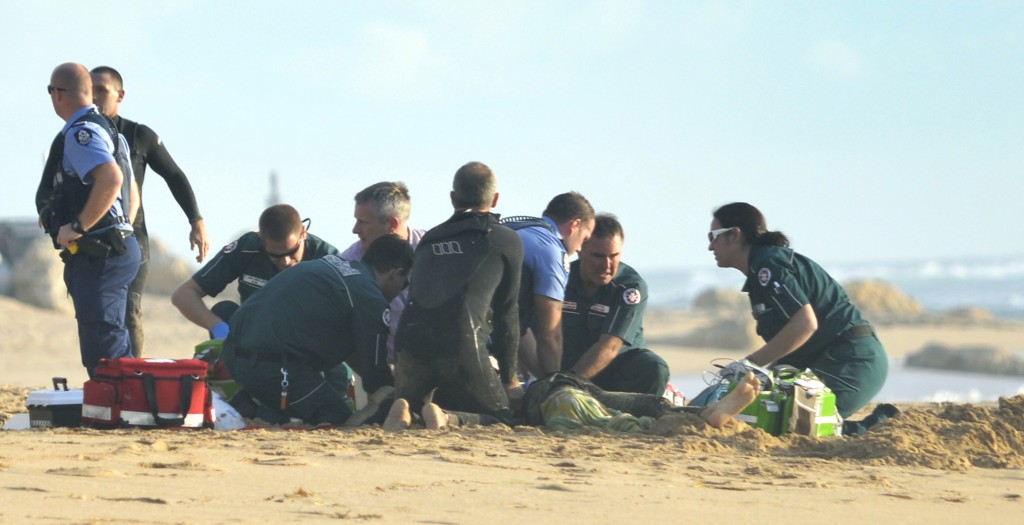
(855, 369)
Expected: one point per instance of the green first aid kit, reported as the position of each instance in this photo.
(219, 378)
(766, 412)
(810, 408)
(793, 402)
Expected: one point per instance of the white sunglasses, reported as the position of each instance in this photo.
(715, 234)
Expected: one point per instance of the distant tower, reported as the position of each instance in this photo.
(275, 196)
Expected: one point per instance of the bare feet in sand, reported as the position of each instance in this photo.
(433, 417)
(717, 413)
(399, 418)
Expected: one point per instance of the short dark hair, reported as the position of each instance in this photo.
(390, 200)
(607, 225)
(751, 223)
(101, 70)
(278, 222)
(569, 206)
(387, 252)
(474, 186)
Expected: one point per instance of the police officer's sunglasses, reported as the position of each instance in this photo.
(713, 235)
(50, 89)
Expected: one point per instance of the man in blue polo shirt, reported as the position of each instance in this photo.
(548, 242)
(90, 218)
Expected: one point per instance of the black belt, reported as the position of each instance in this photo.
(856, 332)
(262, 357)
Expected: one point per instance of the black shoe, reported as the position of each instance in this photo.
(244, 404)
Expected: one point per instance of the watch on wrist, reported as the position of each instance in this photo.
(77, 227)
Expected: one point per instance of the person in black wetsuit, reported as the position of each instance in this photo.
(146, 149)
(463, 293)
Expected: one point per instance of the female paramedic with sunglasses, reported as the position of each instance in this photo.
(802, 313)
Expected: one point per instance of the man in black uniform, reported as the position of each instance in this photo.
(311, 319)
(465, 281)
(282, 242)
(146, 149)
(602, 318)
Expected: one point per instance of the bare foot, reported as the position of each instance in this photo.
(373, 405)
(717, 413)
(399, 418)
(433, 417)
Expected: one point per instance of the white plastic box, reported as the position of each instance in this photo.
(59, 407)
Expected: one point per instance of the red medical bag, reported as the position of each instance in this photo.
(149, 393)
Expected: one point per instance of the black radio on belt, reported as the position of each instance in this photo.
(109, 243)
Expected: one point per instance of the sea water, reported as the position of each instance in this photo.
(907, 384)
(995, 284)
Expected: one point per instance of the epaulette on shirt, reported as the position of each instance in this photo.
(518, 222)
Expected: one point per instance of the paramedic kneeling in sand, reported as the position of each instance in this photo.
(802, 313)
(603, 316)
(312, 318)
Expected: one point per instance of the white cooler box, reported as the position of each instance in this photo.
(59, 407)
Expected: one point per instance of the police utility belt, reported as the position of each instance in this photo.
(101, 245)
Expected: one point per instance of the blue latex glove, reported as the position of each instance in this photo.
(220, 330)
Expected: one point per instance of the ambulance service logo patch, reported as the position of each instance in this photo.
(763, 276)
(631, 296)
(386, 316)
(83, 136)
(230, 247)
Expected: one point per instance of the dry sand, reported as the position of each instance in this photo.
(933, 464)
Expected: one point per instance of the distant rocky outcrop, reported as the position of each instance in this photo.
(730, 333)
(166, 271)
(722, 301)
(881, 301)
(38, 274)
(730, 325)
(980, 359)
(39, 277)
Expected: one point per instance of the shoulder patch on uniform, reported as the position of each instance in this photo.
(565, 261)
(763, 276)
(386, 316)
(631, 296)
(230, 247)
(84, 136)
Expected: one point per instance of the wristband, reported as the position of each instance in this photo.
(76, 226)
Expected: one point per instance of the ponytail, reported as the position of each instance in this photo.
(772, 239)
(751, 224)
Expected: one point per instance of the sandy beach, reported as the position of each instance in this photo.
(935, 463)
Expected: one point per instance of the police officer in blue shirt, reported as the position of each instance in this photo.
(548, 242)
(90, 217)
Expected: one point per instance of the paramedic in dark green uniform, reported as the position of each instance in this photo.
(282, 242)
(802, 313)
(311, 319)
(602, 318)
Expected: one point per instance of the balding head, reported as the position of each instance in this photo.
(71, 89)
(474, 188)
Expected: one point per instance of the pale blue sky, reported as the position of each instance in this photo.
(872, 130)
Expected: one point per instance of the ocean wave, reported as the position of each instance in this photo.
(995, 284)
